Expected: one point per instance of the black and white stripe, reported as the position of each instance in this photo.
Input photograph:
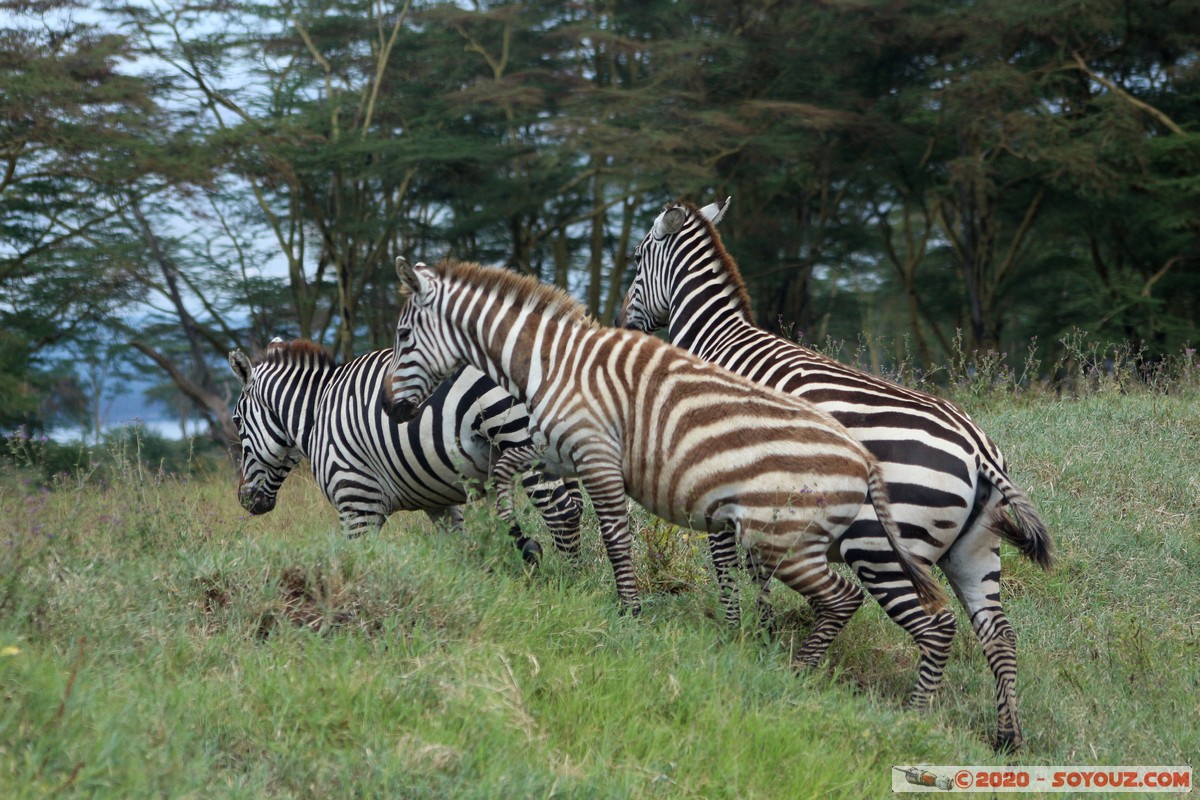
(946, 478)
(296, 402)
(693, 443)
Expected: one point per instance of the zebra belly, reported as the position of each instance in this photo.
(377, 466)
(437, 474)
(709, 496)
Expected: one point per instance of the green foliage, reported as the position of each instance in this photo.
(18, 388)
(76, 138)
(125, 453)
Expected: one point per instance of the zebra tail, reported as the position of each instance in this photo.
(1028, 534)
(929, 591)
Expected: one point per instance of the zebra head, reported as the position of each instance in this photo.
(657, 259)
(423, 354)
(268, 449)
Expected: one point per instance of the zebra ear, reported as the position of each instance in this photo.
(715, 212)
(404, 272)
(241, 365)
(416, 280)
(669, 222)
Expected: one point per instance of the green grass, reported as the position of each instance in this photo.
(155, 642)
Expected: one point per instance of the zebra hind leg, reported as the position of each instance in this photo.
(762, 575)
(450, 518)
(933, 635)
(973, 566)
(1000, 647)
(834, 599)
(869, 554)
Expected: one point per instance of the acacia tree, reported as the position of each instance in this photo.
(762, 109)
(1141, 223)
(327, 156)
(996, 167)
(186, 328)
(559, 98)
(79, 140)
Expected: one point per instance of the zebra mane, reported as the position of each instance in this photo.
(731, 267)
(525, 291)
(297, 351)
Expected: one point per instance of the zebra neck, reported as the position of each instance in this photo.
(705, 310)
(494, 346)
(517, 351)
(299, 392)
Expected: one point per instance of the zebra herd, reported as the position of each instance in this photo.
(765, 445)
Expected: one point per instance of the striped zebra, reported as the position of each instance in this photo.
(295, 403)
(693, 443)
(946, 478)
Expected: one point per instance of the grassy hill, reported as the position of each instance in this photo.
(155, 641)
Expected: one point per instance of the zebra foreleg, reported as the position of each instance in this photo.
(513, 462)
(561, 505)
(356, 522)
(606, 487)
(723, 548)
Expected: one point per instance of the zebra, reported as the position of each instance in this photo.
(296, 403)
(948, 480)
(693, 443)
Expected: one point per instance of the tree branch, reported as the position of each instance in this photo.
(385, 51)
(1153, 279)
(215, 408)
(1163, 119)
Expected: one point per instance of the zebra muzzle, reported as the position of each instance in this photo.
(256, 501)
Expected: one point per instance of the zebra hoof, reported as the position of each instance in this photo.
(531, 552)
(1007, 742)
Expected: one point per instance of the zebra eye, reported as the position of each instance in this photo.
(403, 334)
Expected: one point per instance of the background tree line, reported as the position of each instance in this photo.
(177, 180)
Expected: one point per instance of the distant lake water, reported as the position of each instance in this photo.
(166, 428)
